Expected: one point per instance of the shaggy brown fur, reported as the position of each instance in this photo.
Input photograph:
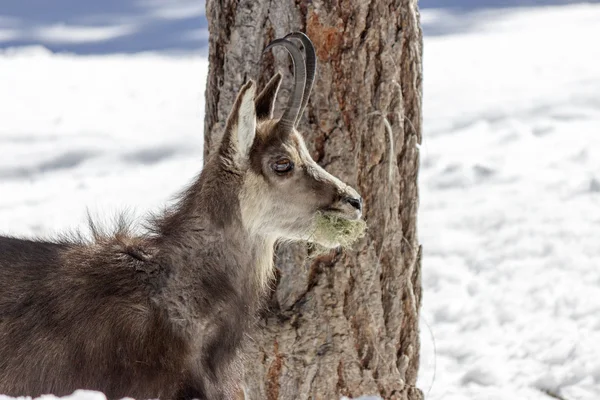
(163, 315)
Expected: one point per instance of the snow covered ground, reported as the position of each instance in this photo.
(510, 209)
(97, 132)
(510, 182)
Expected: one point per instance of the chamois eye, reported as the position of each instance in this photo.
(283, 165)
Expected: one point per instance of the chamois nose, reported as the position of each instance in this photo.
(354, 202)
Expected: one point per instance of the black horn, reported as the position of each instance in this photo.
(311, 67)
(288, 120)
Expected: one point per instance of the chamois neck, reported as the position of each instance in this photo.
(211, 202)
(215, 262)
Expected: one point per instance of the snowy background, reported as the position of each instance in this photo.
(101, 108)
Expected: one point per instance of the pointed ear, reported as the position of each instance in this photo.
(265, 102)
(246, 121)
(241, 125)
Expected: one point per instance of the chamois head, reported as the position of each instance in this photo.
(284, 193)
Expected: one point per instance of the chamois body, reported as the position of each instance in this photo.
(164, 314)
(145, 317)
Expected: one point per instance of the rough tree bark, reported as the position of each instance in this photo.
(345, 323)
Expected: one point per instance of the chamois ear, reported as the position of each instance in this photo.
(265, 102)
(241, 125)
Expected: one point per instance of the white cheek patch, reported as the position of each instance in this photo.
(246, 126)
(257, 215)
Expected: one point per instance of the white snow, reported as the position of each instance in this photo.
(510, 198)
(98, 132)
(61, 33)
(77, 395)
(510, 182)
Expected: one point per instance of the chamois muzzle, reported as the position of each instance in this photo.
(355, 202)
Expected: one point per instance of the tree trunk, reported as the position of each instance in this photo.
(344, 323)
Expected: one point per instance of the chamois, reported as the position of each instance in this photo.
(163, 314)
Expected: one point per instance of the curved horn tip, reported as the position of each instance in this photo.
(310, 63)
(297, 34)
(290, 116)
(279, 41)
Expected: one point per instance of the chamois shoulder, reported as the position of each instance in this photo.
(108, 264)
(121, 262)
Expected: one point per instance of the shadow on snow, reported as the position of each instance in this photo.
(129, 26)
(107, 26)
